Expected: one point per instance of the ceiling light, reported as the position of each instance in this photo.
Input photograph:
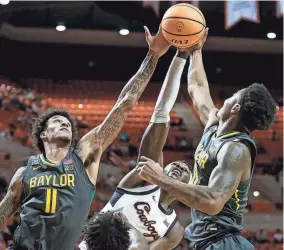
(124, 32)
(60, 27)
(271, 35)
(256, 193)
(4, 2)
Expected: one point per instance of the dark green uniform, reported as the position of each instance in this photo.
(221, 231)
(55, 204)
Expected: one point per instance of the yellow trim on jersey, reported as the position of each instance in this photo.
(195, 175)
(54, 201)
(237, 199)
(47, 200)
(227, 135)
(47, 162)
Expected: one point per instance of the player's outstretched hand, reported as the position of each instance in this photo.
(149, 170)
(157, 43)
(199, 45)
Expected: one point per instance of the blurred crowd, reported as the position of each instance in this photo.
(23, 105)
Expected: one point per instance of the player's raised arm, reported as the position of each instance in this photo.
(11, 202)
(91, 146)
(198, 87)
(233, 160)
(155, 136)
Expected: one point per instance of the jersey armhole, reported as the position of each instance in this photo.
(248, 144)
(25, 173)
(171, 226)
(83, 172)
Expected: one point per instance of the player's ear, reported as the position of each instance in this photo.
(235, 109)
(43, 135)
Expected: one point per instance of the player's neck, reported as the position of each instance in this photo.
(166, 200)
(54, 153)
(228, 126)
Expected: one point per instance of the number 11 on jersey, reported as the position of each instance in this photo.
(51, 200)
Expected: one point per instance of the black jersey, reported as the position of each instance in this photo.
(55, 204)
(205, 227)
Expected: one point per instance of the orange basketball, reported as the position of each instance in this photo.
(183, 25)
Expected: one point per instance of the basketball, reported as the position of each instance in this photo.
(183, 25)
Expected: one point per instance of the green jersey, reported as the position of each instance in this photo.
(55, 204)
(206, 227)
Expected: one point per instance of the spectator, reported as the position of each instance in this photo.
(278, 237)
(261, 237)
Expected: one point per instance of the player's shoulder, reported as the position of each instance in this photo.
(232, 148)
(20, 172)
(234, 153)
(17, 179)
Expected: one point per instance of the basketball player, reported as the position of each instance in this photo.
(146, 207)
(56, 188)
(224, 161)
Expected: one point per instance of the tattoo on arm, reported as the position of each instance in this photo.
(130, 94)
(11, 201)
(233, 160)
(138, 82)
(103, 135)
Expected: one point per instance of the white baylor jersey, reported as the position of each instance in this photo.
(142, 209)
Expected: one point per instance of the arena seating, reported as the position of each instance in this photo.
(89, 103)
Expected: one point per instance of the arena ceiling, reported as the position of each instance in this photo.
(28, 32)
(112, 15)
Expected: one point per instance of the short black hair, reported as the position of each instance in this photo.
(106, 232)
(258, 108)
(40, 123)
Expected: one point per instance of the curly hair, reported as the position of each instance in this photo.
(258, 107)
(40, 123)
(106, 232)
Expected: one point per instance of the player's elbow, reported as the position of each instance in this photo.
(127, 103)
(213, 207)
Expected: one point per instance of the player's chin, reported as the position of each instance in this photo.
(64, 138)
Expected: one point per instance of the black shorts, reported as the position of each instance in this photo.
(232, 242)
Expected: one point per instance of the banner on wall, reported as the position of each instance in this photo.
(235, 11)
(279, 8)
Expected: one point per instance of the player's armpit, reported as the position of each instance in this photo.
(171, 240)
(11, 202)
(98, 139)
(233, 160)
(198, 87)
